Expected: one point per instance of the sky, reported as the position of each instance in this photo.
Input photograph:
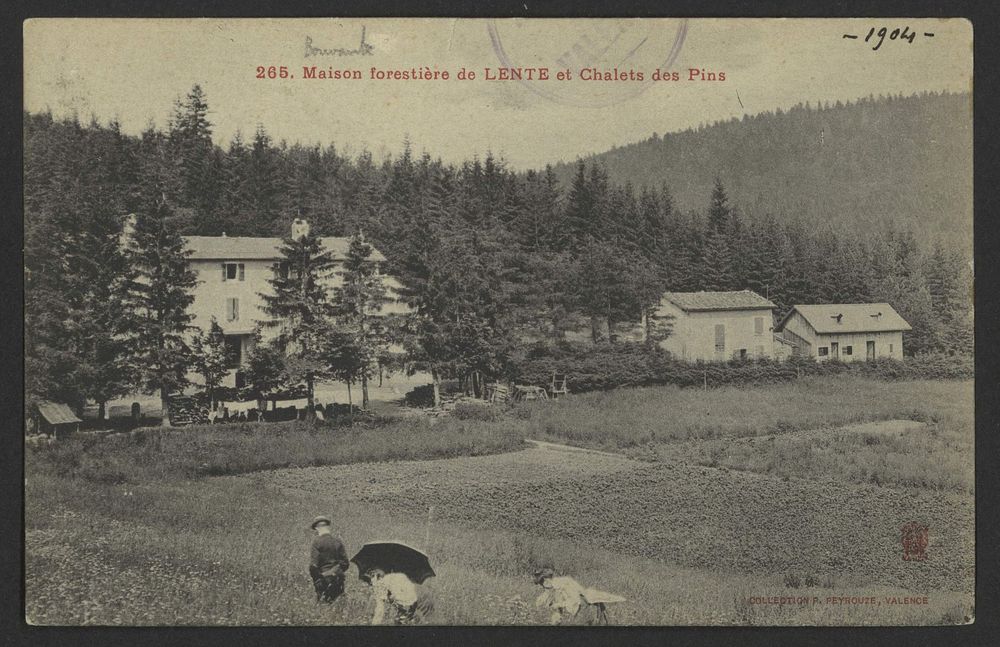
(133, 70)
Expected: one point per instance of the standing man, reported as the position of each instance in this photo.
(327, 562)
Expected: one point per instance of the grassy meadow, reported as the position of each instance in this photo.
(707, 501)
(628, 417)
(157, 453)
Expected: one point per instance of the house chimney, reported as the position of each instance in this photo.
(877, 315)
(300, 229)
(838, 316)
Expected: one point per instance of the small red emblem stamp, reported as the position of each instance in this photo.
(914, 542)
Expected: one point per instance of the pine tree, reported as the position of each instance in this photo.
(580, 208)
(719, 210)
(607, 286)
(236, 194)
(265, 368)
(109, 369)
(265, 186)
(159, 298)
(300, 309)
(74, 270)
(691, 277)
(197, 164)
(538, 226)
(718, 263)
(210, 358)
(950, 287)
(358, 302)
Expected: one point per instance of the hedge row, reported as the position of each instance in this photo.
(599, 368)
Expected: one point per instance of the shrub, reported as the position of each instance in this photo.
(472, 411)
(421, 396)
(608, 366)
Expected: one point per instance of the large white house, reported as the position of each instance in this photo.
(848, 332)
(233, 271)
(717, 326)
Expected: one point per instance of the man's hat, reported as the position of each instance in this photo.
(318, 520)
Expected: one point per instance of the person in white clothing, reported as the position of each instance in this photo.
(569, 602)
(396, 594)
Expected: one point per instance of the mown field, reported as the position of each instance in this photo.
(688, 532)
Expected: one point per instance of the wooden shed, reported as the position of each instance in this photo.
(55, 419)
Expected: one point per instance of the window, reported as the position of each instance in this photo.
(890, 348)
(232, 309)
(720, 338)
(283, 270)
(233, 272)
(234, 350)
(743, 353)
(848, 350)
(758, 326)
(823, 351)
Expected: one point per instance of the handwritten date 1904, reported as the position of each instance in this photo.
(878, 36)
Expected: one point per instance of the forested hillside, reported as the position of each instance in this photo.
(905, 160)
(490, 257)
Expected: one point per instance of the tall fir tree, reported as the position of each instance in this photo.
(197, 164)
(719, 210)
(950, 287)
(159, 298)
(300, 308)
(581, 208)
(74, 270)
(718, 263)
(210, 358)
(611, 286)
(359, 301)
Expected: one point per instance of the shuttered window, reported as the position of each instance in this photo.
(758, 326)
(720, 338)
(233, 272)
(232, 309)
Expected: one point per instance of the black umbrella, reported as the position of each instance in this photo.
(393, 557)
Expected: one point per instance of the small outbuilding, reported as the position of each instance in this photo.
(847, 332)
(718, 326)
(55, 419)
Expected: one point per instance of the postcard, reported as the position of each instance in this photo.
(655, 321)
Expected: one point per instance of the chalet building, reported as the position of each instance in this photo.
(717, 326)
(234, 270)
(848, 332)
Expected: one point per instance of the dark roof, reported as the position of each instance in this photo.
(702, 301)
(56, 413)
(254, 248)
(855, 317)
